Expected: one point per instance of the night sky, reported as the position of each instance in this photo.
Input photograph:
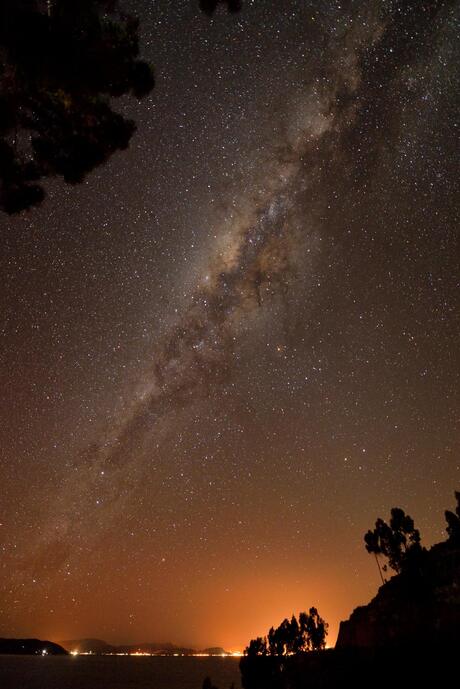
(236, 345)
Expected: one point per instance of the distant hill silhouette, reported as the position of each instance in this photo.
(87, 645)
(100, 647)
(30, 647)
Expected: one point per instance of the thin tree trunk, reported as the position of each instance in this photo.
(378, 565)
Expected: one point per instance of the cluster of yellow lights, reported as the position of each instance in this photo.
(236, 654)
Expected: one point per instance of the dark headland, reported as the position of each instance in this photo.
(407, 636)
(30, 647)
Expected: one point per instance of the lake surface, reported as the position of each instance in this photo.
(113, 672)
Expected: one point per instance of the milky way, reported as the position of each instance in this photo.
(288, 380)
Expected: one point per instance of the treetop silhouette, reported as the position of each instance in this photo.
(61, 63)
(293, 636)
(399, 541)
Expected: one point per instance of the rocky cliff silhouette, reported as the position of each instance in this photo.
(411, 608)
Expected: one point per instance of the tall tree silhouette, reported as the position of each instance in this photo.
(257, 647)
(61, 63)
(314, 630)
(293, 636)
(398, 541)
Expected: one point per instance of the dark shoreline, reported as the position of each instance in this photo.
(407, 667)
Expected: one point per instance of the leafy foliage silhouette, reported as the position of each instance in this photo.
(399, 541)
(61, 63)
(293, 636)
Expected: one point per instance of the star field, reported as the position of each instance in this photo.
(236, 344)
